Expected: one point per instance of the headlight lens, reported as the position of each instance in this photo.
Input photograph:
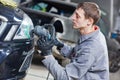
(24, 30)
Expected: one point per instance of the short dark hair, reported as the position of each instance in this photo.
(91, 10)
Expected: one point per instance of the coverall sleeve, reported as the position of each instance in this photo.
(74, 70)
(66, 51)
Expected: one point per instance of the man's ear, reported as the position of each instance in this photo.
(90, 21)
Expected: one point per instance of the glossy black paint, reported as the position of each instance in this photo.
(13, 53)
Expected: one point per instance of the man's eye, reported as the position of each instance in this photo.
(77, 16)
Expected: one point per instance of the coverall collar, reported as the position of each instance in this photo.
(87, 36)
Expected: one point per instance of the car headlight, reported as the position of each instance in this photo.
(24, 30)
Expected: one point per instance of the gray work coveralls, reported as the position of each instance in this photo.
(89, 60)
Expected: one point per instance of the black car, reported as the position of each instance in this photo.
(16, 43)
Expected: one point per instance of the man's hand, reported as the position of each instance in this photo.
(47, 38)
(46, 34)
(45, 46)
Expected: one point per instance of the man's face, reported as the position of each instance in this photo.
(79, 20)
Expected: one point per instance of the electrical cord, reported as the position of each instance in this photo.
(48, 75)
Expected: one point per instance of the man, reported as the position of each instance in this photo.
(89, 58)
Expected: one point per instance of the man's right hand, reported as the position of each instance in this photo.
(45, 46)
(46, 34)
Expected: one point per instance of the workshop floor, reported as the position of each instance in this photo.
(38, 72)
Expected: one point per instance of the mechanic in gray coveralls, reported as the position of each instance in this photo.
(89, 58)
